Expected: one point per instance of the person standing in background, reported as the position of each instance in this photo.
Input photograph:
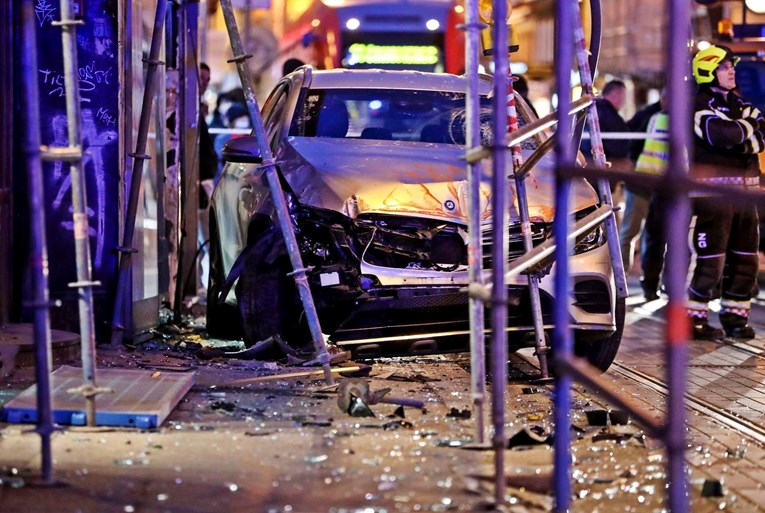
(617, 151)
(208, 167)
(636, 198)
(654, 159)
(729, 133)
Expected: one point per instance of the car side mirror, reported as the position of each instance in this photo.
(242, 149)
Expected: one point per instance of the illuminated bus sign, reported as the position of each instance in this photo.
(360, 54)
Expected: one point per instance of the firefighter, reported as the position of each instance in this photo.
(729, 133)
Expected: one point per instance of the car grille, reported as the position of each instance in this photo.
(539, 232)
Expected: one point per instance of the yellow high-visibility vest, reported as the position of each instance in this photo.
(654, 158)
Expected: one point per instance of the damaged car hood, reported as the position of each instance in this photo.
(357, 176)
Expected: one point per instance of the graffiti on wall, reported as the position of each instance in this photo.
(96, 138)
(98, 80)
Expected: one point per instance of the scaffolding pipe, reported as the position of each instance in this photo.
(673, 428)
(562, 339)
(481, 152)
(678, 216)
(604, 188)
(475, 246)
(38, 240)
(188, 150)
(542, 251)
(84, 283)
(540, 344)
(136, 174)
(500, 236)
(274, 184)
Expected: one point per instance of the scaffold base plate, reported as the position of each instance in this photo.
(139, 398)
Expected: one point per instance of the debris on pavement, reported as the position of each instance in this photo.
(355, 392)
(712, 488)
(529, 435)
(459, 414)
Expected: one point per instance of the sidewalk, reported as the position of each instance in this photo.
(284, 445)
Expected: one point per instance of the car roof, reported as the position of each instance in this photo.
(392, 79)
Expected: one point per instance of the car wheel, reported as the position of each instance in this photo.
(269, 305)
(223, 320)
(601, 353)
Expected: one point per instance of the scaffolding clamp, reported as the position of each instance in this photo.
(56, 303)
(67, 23)
(240, 58)
(139, 156)
(123, 249)
(62, 154)
(468, 26)
(84, 284)
(155, 62)
(89, 391)
(301, 272)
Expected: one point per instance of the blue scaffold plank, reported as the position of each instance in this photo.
(139, 398)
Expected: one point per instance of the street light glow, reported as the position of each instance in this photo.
(757, 6)
(352, 24)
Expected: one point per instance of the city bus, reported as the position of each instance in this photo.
(388, 34)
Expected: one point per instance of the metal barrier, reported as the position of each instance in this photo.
(570, 36)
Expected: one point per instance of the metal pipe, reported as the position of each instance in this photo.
(585, 77)
(678, 216)
(477, 153)
(38, 240)
(84, 282)
(475, 246)
(181, 194)
(543, 251)
(282, 212)
(500, 251)
(587, 374)
(562, 337)
(540, 344)
(139, 155)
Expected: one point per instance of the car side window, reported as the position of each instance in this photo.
(273, 114)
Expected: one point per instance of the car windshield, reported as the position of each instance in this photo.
(396, 115)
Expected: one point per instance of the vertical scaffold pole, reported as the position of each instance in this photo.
(599, 156)
(39, 244)
(475, 248)
(136, 174)
(277, 195)
(73, 153)
(562, 338)
(500, 236)
(540, 344)
(678, 217)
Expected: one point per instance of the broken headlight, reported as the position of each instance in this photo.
(590, 240)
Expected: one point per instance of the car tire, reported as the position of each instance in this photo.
(269, 305)
(223, 320)
(601, 353)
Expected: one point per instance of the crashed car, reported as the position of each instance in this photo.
(372, 167)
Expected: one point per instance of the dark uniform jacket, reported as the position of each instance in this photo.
(729, 133)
